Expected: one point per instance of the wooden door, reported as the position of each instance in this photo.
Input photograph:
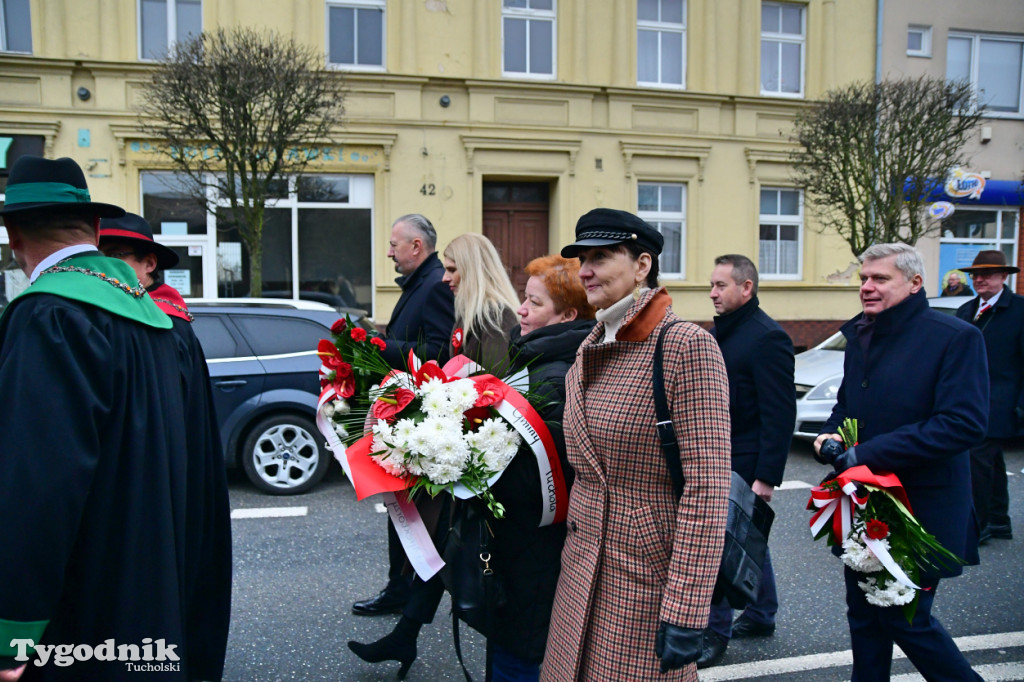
(519, 231)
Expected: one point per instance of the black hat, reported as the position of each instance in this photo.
(134, 228)
(36, 183)
(990, 260)
(607, 226)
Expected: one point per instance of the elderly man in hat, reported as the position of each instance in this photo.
(103, 541)
(999, 314)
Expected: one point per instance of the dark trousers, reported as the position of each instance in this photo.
(399, 579)
(984, 460)
(999, 507)
(873, 630)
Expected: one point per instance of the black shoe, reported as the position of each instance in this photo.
(984, 536)
(714, 649)
(399, 645)
(385, 602)
(745, 627)
(999, 531)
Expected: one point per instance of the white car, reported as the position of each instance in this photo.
(819, 372)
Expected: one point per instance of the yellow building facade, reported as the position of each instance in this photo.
(506, 117)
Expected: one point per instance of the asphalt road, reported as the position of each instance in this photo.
(297, 576)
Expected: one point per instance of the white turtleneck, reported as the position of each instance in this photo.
(613, 314)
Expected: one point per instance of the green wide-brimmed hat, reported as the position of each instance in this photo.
(37, 184)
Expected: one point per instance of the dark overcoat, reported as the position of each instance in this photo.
(423, 318)
(1003, 328)
(758, 356)
(635, 556)
(528, 553)
(920, 396)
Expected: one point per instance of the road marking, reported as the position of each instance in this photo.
(380, 508)
(838, 659)
(995, 672)
(269, 512)
(794, 485)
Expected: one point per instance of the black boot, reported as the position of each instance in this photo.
(399, 645)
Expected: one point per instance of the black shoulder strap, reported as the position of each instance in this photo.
(666, 431)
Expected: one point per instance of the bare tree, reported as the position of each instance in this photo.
(871, 153)
(237, 112)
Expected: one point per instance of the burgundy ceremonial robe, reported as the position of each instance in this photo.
(634, 556)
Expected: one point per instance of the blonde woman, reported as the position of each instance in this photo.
(485, 302)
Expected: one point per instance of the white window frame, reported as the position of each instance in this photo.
(357, 4)
(926, 40)
(529, 15)
(991, 243)
(3, 29)
(656, 217)
(791, 38)
(662, 27)
(780, 219)
(976, 39)
(172, 26)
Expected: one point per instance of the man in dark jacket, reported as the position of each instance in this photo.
(422, 321)
(915, 379)
(999, 314)
(762, 408)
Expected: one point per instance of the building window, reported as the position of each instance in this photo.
(919, 41)
(970, 230)
(781, 232)
(528, 38)
(15, 26)
(663, 206)
(355, 34)
(317, 239)
(162, 23)
(661, 43)
(783, 33)
(993, 65)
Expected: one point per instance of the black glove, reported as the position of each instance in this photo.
(846, 459)
(830, 449)
(676, 646)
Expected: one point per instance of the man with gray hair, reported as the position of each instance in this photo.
(916, 381)
(422, 321)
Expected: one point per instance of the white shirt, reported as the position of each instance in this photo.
(58, 256)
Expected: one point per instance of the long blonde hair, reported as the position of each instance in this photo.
(485, 291)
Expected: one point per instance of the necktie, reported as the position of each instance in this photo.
(981, 309)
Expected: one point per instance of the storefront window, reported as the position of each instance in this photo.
(969, 231)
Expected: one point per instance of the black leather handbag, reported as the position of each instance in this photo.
(477, 591)
(750, 517)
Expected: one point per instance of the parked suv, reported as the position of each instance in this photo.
(263, 371)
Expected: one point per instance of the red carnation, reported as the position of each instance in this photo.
(379, 343)
(388, 406)
(358, 334)
(338, 327)
(876, 530)
(342, 369)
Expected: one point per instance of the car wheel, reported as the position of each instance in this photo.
(284, 455)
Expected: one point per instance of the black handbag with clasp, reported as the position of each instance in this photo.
(750, 517)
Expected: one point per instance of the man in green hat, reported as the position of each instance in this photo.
(104, 534)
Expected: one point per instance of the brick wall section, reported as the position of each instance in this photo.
(805, 333)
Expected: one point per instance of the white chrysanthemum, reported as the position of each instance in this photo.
(340, 429)
(431, 386)
(403, 431)
(497, 458)
(894, 594)
(435, 403)
(858, 557)
(382, 430)
(327, 410)
(462, 394)
(341, 406)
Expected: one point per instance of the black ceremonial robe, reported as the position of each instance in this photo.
(100, 540)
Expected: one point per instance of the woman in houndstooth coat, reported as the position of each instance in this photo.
(638, 567)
